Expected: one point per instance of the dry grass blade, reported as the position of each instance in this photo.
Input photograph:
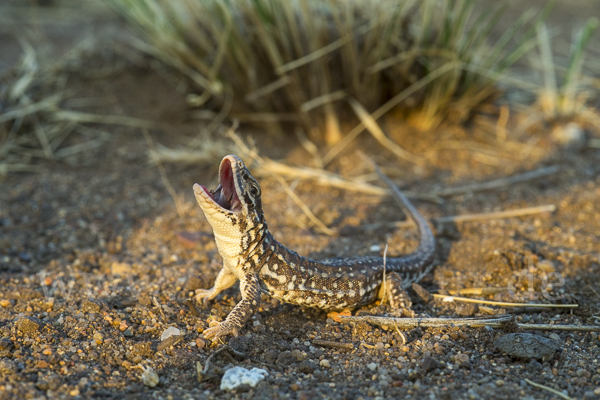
(450, 299)
(499, 183)
(371, 125)
(520, 212)
(549, 389)
(81, 117)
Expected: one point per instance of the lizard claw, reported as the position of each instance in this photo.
(204, 296)
(222, 329)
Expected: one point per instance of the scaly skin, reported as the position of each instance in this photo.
(263, 265)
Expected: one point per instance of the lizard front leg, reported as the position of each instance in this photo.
(224, 280)
(242, 312)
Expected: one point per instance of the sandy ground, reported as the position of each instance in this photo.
(96, 263)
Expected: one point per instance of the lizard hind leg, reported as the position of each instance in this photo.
(391, 291)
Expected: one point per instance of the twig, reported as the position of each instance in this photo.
(331, 343)
(469, 217)
(450, 299)
(220, 350)
(384, 267)
(499, 214)
(478, 291)
(498, 183)
(81, 117)
(556, 392)
(497, 322)
(157, 304)
(425, 322)
(400, 333)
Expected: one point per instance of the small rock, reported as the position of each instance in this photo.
(120, 268)
(285, 358)
(297, 354)
(4, 303)
(375, 248)
(91, 305)
(534, 366)
(7, 367)
(546, 266)
(325, 363)
(149, 377)
(42, 364)
(372, 366)
(583, 373)
(597, 391)
(6, 344)
(422, 293)
(462, 358)
(200, 343)
(295, 387)
(428, 364)
(499, 382)
(238, 376)
(97, 336)
(465, 309)
(170, 331)
(192, 283)
(571, 136)
(307, 367)
(29, 326)
(527, 346)
(128, 332)
(554, 337)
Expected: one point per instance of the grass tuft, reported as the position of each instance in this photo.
(298, 61)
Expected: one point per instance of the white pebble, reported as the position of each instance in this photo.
(150, 377)
(170, 331)
(372, 366)
(375, 248)
(325, 363)
(237, 376)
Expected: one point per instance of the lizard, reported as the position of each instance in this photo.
(263, 265)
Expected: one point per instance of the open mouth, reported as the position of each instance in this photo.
(225, 194)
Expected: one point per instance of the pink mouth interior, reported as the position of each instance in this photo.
(225, 194)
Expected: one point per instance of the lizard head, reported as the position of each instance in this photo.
(235, 203)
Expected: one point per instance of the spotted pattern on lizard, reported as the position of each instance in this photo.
(263, 265)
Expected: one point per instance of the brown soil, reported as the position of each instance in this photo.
(89, 243)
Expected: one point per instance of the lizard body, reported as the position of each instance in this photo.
(263, 265)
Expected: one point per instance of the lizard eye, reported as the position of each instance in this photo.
(254, 191)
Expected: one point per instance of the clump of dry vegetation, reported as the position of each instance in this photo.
(310, 62)
(34, 120)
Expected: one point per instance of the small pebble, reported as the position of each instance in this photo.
(4, 303)
(325, 363)
(170, 331)
(149, 377)
(375, 248)
(372, 366)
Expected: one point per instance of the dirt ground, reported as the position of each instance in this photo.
(96, 262)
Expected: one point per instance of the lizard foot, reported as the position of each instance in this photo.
(204, 296)
(398, 299)
(222, 329)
